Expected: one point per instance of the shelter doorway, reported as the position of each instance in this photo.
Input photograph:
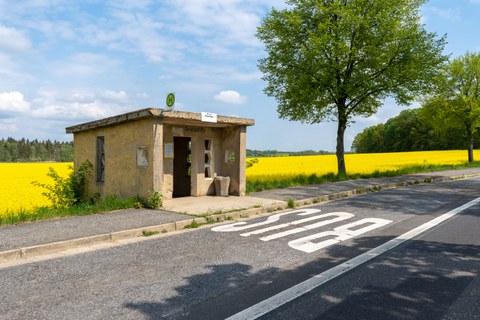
(182, 166)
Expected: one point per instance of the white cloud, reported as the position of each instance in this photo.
(131, 4)
(9, 72)
(43, 3)
(13, 102)
(237, 20)
(84, 64)
(450, 14)
(13, 40)
(76, 110)
(369, 121)
(79, 105)
(143, 95)
(230, 96)
(8, 126)
(140, 32)
(53, 30)
(114, 95)
(213, 74)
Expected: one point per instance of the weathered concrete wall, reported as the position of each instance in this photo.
(84, 148)
(167, 187)
(157, 154)
(234, 158)
(123, 177)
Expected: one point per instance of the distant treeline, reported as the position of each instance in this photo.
(276, 153)
(24, 150)
(412, 130)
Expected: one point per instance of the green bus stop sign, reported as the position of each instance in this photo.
(170, 100)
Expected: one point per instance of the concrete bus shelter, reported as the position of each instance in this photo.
(152, 150)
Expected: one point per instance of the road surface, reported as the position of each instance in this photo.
(249, 270)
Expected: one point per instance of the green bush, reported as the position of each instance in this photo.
(79, 181)
(67, 192)
(155, 200)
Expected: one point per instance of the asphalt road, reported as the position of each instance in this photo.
(215, 274)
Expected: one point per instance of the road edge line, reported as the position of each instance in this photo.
(308, 285)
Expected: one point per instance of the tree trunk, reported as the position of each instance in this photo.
(470, 145)
(342, 125)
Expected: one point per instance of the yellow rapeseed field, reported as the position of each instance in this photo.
(16, 190)
(356, 163)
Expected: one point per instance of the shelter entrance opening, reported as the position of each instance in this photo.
(182, 166)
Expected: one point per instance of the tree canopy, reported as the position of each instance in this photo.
(412, 130)
(457, 99)
(24, 150)
(337, 59)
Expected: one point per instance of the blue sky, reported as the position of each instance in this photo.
(63, 62)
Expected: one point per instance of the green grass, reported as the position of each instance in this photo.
(44, 213)
(270, 183)
(194, 225)
(113, 203)
(291, 203)
(150, 233)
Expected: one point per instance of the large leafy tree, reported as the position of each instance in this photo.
(337, 59)
(457, 101)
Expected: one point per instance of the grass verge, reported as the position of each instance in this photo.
(44, 213)
(284, 181)
(272, 182)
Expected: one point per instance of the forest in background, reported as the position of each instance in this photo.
(413, 130)
(276, 153)
(24, 150)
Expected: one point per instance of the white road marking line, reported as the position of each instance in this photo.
(341, 233)
(300, 289)
(340, 216)
(239, 226)
(293, 223)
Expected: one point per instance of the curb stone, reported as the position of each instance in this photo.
(10, 255)
(55, 247)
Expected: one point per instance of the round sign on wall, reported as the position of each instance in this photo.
(170, 100)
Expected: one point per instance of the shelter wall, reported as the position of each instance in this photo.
(123, 174)
(234, 144)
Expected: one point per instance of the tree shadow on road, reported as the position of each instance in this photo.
(423, 281)
(415, 200)
(220, 280)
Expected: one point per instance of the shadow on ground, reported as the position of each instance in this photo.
(424, 280)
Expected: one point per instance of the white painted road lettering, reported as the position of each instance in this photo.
(341, 233)
(239, 226)
(306, 243)
(340, 216)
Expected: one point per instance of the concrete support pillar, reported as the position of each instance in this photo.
(157, 156)
(242, 158)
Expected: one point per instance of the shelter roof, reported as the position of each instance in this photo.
(167, 116)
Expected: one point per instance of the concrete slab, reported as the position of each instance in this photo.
(211, 204)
